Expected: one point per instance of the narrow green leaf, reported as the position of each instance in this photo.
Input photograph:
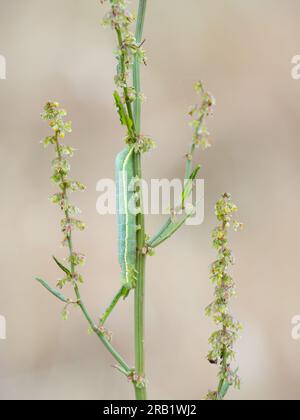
(224, 387)
(169, 230)
(62, 267)
(160, 233)
(122, 370)
(189, 184)
(53, 291)
(223, 390)
(170, 227)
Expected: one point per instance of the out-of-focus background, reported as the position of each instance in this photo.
(242, 50)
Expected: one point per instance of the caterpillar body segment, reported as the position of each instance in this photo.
(126, 216)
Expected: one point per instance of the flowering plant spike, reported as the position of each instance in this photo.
(222, 341)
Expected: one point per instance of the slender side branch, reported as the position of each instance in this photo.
(137, 65)
(168, 230)
(199, 113)
(103, 336)
(61, 169)
(53, 291)
(121, 294)
(200, 139)
(123, 79)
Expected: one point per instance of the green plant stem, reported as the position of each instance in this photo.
(189, 157)
(139, 298)
(112, 306)
(132, 131)
(137, 66)
(189, 162)
(53, 291)
(92, 324)
(100, 335)
(172, 226)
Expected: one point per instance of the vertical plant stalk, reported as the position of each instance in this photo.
(139, 294)
(128, 103)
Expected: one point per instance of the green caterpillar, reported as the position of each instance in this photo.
(126, 216)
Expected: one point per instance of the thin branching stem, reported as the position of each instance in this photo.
(137, 66)
(54, 115)
(115, 301)
(101, 335)
(125, 87)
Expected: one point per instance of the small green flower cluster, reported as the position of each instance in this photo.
(60, 176)
(143, 144)
(222, 341)
(200, 113)
(139, 381)
(120, 19)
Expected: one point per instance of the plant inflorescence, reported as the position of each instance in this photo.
(223, 340)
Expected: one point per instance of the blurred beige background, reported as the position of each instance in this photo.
(242, 50)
